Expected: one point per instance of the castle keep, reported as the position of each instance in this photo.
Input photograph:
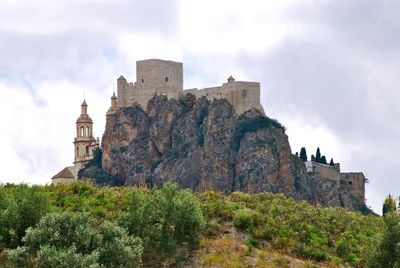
(161, 77)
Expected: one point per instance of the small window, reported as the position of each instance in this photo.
(87, 150)
(77, 150)
(166, 79)
(350, 182)
(142, 80)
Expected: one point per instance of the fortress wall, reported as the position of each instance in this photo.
(326, 171)
(242, 95)
(159, 74)
(354, 182)
(166, 77)
(210, 93)
(245, 96)
(131, 95)
(141, 94)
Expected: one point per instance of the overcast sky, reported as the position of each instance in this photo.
(329, 71)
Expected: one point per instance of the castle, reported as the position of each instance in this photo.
(161, 77)
(153, 77)
(84, 144)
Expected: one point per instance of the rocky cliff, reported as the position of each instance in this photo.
(204, 145)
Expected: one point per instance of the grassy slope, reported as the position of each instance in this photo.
(263, 230)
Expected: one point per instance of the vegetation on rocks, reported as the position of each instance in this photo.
(247, 124)
(88, 226)
(94, 169)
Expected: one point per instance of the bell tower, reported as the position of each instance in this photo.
(84, 142)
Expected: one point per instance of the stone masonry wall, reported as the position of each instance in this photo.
(160, 74)
(159, 77)
(354, 182)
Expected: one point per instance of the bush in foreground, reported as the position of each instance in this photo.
(71, 240)
(164, 219)
(21, 206)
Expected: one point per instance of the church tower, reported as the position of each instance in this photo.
(84, 142)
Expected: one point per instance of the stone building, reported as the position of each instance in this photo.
(353, 182)
(161, 77)
(84, 144)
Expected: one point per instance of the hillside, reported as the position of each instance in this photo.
(214, 229)
(204, 145)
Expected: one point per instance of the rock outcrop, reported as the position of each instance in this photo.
(204, 145)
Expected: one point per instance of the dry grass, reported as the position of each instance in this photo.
(231, 249)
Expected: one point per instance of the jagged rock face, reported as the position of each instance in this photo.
(204, 145)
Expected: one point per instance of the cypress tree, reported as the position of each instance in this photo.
(318, 156)
(312, 158)
(332, 163)
(389, 205)
(303, 154)
(323, 160)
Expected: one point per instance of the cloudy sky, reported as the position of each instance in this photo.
(329, 71)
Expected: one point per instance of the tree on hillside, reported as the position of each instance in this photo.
(318, 156)
(332, 163)
(312, 158)
(19, 209)
(303, 154)
(164, 220)
(389, 205)
(323, 160)
(388, 251)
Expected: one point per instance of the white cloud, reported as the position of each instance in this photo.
(229, 27)
(37, 139)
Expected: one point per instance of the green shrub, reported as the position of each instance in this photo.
(213, 205)
(244, 219)
(252, 124)
(94, 170)
(212, 228)
(311, 252)
(72, 240)
(65, 258)
(21, 207)
(164, 219)
(353, 259)
(387, 253)
(253, 242)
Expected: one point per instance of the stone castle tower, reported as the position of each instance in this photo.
(84, 144)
